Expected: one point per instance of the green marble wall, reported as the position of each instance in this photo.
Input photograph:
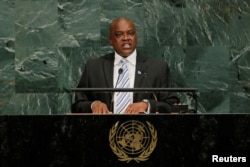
(44, 43)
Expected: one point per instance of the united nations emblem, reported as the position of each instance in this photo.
(132, 140)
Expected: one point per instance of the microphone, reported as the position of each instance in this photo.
(146, 76)
(120, 71)
(149, 84)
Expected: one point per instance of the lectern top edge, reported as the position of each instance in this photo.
(134, 89)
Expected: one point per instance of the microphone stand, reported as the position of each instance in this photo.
(154, 95)
(120, 71)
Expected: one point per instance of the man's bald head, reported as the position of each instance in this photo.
(120, 19)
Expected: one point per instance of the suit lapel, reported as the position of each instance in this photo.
(140, 69)
(108, 64)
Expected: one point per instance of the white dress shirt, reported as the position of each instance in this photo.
(131, 63)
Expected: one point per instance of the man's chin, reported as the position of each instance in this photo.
(125, 55)
(126, 52)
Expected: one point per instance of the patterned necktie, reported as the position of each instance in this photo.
(123, 98)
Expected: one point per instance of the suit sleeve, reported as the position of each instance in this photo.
(165, 100)
(81, 103)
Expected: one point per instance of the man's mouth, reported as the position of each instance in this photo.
(126, 45)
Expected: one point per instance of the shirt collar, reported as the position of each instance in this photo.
(131, 59)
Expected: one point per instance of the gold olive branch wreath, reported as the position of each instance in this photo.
(123, 156)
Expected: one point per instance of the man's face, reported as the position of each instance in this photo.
(123, 37)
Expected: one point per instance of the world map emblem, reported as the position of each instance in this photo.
(132, 140)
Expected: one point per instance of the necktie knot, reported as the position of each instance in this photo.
(123, 62)
(124, 65)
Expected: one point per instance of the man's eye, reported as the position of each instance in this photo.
(118, 35)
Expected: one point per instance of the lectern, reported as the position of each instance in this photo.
(177, 108)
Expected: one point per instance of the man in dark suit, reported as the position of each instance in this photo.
(106, 72)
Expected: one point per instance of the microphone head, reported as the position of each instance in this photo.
(120, 71)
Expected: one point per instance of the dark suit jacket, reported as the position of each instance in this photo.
(98, 73)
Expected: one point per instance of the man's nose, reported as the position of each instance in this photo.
(125, 36)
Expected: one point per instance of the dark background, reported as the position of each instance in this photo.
(82, 140)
